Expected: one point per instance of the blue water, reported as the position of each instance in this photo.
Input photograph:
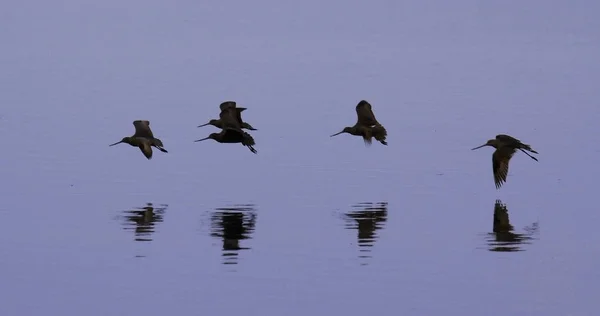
(311, 225)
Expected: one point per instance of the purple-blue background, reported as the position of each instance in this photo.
(443, 77)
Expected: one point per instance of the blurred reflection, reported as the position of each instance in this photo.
(143, 220)
(367, 218)
(232, 224)
(503, 239)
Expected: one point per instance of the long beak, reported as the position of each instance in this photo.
(199, 140)
(336, 134)
(115, 143)
(479, 146)
(203, 125)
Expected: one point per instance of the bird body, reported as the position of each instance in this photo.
(366, 125)
(143, 138)
(506, 146)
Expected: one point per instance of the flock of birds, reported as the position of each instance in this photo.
(231, 124)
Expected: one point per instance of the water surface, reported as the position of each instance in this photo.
(311, 225)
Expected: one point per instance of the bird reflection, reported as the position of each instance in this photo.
(503, 238)
(367, 218)
(143, 220)
(232, 224)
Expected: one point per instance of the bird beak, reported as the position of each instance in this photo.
(336, 134)
(199, 140)
(203, 125)
(479, 146)
(115, 143)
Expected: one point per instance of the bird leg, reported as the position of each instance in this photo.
(526, 153)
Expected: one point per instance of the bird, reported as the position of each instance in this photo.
(143, 138)
(238, 114)
(506, 146)
(366, 125)
(231, 131)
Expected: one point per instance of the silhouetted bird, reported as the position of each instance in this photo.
(505, 146)
(143, 138)
(366, 125)
(231, 131)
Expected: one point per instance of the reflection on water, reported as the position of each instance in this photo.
(367, 218)
(143, 220)
(232, 224)
(503, 239)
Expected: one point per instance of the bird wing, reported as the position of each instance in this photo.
(145, 148)
(229, 119)
(500, 160)
(365, 114)
(227, 105)
(142, 129)
(238, 115)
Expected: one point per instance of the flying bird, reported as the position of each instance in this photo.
(143, 138)
(231, 131)
(366, 125)
(506, 146)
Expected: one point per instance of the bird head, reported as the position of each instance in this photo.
(211, 136)
(491, 142)
(345, 130)
(125, 140)
(212, 122)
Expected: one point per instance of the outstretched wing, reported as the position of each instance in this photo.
(146, 148)
(365, 114)
(142, 129)
(238, 115)
(500, 160)
(227, 105)
(229, 119)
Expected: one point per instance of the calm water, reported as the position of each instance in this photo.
(311, 225)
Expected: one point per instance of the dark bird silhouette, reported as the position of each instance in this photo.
(231, 131)
(366, 125)
(506, 146)
(143, 138)
(238, 115)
